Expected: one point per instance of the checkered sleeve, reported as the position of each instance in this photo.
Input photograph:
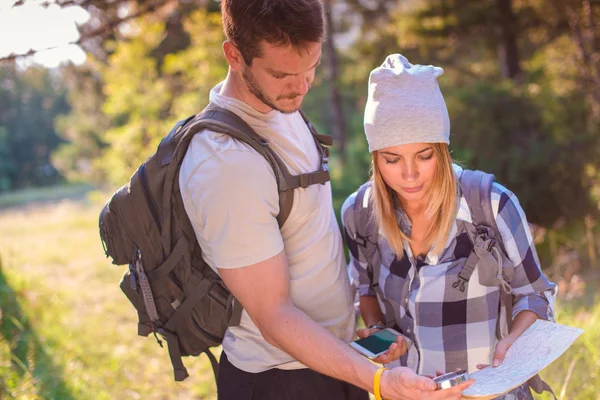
(531, 288)
(358, 262)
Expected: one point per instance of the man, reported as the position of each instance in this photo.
(292, 282)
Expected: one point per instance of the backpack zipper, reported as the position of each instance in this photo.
(149, 198)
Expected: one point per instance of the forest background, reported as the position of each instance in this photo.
(521, 81)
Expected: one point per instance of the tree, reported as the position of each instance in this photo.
(514, 95)
(30, 100)
(146, 95)
(335, 101)
(132, 90)
(83, 129)
(584, 24)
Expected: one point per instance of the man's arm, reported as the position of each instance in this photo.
(263, 291)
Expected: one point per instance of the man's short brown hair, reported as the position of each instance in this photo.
(279, 22)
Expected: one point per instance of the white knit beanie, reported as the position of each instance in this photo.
(405, 105)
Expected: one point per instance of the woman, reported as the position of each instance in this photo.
(412, 230)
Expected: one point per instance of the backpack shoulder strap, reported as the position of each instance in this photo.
(367, 234)
(476, 186)
(363, 218)
(222, 120)
(173, 148)
(320, 176)
(322, 140)
(225, 121)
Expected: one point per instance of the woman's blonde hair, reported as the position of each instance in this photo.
(442, 197)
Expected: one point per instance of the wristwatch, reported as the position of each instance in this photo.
(377, 326)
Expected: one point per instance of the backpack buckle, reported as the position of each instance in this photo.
(363, 240)
(325, 163)
(132, 278)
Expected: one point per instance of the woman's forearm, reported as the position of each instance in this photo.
(370, 311)
(522, 321)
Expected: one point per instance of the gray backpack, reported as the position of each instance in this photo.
(488, 249)
(144, 225)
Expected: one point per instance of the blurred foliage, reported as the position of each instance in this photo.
(142, 96)
(30, 101)
(529, 150)
(518, 83)
(83, 129)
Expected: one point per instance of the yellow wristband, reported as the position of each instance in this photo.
(376, 382)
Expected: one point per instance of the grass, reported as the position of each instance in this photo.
(45, 194)
(67, 332)
(576, 374)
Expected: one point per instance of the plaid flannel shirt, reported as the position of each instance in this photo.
(452, 329)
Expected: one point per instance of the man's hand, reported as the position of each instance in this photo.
(403, 384)
(395, 351)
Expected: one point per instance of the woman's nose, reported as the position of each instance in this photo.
(410, 172)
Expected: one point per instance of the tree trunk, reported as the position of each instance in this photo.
(508, 49)
(584, 32)
(338, 122)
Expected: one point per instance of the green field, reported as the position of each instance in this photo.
(67, 331)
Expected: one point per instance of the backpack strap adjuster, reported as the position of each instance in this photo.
(464, 275)
(304, 181)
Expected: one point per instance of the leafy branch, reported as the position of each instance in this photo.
(102, 31)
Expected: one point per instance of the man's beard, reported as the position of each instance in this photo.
(255, 89)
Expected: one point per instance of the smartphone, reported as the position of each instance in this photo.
(376, 344)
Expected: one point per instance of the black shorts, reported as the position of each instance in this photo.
(278, 384)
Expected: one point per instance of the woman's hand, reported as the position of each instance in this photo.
(522, 321)
(438, 373)
(501, 348)
(396, 350)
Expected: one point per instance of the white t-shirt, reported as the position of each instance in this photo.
(230, 194)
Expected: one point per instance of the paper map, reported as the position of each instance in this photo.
(539, 345)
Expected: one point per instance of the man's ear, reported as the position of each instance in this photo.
(233, 56)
